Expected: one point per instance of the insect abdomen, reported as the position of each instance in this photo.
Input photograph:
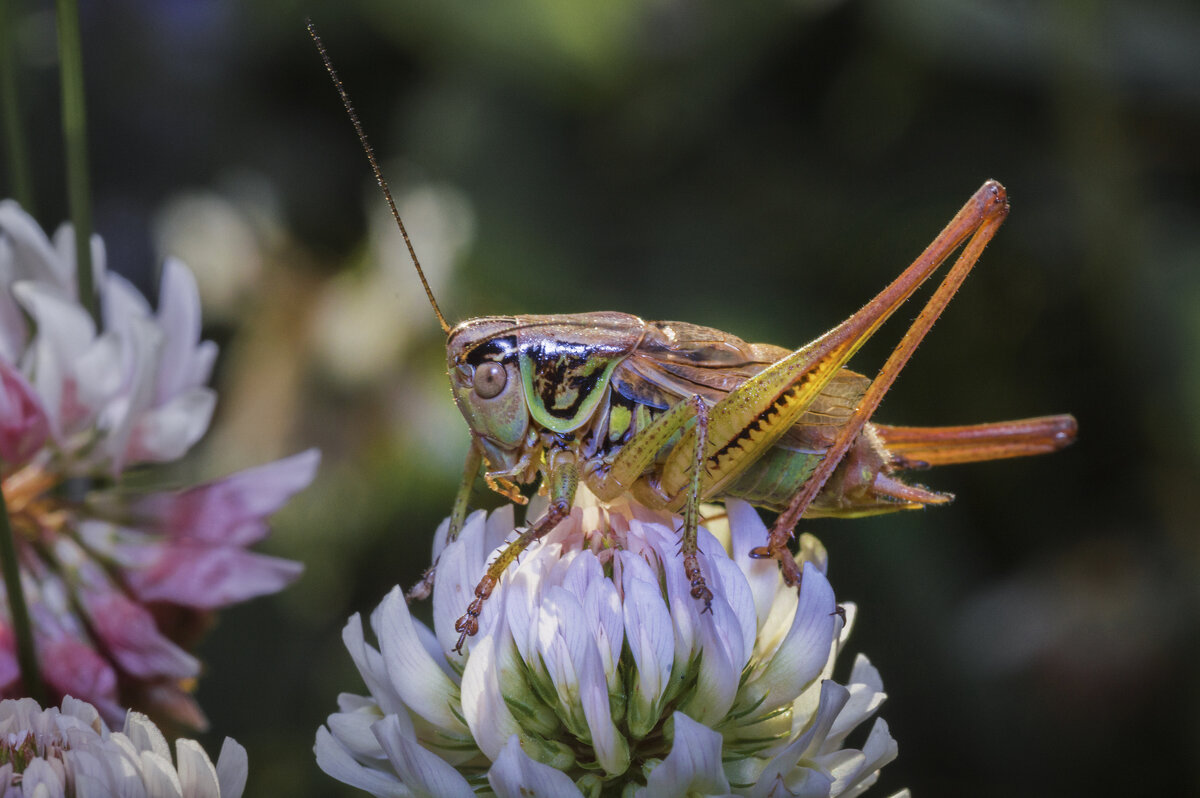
(773, 480)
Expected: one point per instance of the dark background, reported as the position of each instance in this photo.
(763, 168)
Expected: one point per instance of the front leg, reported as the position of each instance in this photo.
(562, 477)
(458, 516)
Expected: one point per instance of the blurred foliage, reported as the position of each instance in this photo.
(763, 168)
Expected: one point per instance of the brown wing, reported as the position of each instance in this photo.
(677, 359)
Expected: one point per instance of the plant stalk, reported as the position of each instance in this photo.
(15, 152)
(70, 55)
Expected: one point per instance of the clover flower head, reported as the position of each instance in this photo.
(119, 580)
(595, 672)
(70, 753)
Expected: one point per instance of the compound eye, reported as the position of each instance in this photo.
(490, 378)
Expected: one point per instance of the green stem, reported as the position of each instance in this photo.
(11, 570)
(70, 56)
(10, 108)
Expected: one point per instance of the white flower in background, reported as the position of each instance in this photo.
(70, 753)
(594, 671)
(119, 580)
(366, 317)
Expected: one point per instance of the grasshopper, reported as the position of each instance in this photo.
(676, 414)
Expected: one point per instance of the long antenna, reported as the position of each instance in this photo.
(362, 137)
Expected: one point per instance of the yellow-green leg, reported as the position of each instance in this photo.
(458, 516)
(636, 456)
(562, 477)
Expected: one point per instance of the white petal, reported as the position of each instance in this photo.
(851, 615)
(483, 705)
(729, 583)
(421, 770)
(85, 712)
(748, 531)
(573, 663)
(651, 640)
(40, 779)
(65, 323)
(782, 770)
(197, 775)
(32, 255)
(458, 572)
(522, 597)
(602, 609)
(685, 610)
(803, 653)
(371, 667)
(879, 750)
(719, 675)
(353, 731)
(168, 431)
(515, 775)
(498, 526)
(179, 318)
(100, 371)
(91, 777)
(693, 766)
(121, 303)
(125, 766)
(161, 779)
(233, 767)
(145, 736)
(582, 573)
(337, 763)
(866, 694)
(439, 539)
(64, 333)
(143, 342)
(415, 677)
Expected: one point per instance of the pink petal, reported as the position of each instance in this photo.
(231, 511)
(128, 632)
(207, 577)
(71, 667)
(24, 425)
(166, 699)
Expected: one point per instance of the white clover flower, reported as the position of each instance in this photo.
(70, 753)
(119, 580)
(594, 671)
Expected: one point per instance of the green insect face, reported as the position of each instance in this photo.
(510, 371)
(486, 380)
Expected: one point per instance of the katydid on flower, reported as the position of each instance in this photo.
(676, 414)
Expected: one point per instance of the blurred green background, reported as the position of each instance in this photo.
(763, 168)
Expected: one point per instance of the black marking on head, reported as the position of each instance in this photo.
(501, 349)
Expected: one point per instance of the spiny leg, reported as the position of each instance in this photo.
(979, 219)
(562, 477)
(689, 544)
(458, 516)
